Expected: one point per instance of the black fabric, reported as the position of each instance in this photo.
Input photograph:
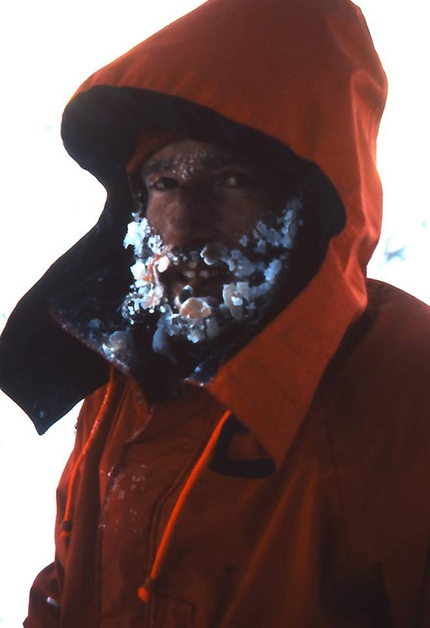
(42, 367)
(101, 127)
(221, 462)
(45, 369)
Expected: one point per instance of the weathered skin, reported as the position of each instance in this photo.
(213, 244)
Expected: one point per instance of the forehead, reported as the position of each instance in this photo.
(187, 156)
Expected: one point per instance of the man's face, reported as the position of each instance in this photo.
(211, 243)
(200, 195)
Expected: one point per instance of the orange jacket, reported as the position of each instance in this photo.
(292, 489)
(336, 535)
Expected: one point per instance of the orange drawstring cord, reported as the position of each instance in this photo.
(66, 525)
(144, 591)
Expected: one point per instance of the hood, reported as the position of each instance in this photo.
(297, 80)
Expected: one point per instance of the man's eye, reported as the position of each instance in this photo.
(162, 184)
(234, 180)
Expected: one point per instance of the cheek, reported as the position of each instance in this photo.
(241, 217)
(225, 219)
(157, 215)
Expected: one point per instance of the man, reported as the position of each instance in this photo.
(253, 448)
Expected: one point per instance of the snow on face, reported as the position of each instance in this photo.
(251, 272)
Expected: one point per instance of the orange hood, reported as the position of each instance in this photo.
(303, 73)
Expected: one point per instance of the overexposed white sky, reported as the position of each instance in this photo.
(47, 48)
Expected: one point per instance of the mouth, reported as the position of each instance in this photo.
(197, 274)
(183, 283)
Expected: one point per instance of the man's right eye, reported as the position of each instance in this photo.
(162, 184)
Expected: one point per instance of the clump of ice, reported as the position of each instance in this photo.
(195, 309)
(151, 259)
(254, 268)
(116, 346)
(214, 252)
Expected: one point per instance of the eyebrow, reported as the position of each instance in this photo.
(174, 161)
(157, 165)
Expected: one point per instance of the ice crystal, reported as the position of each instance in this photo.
(252, 279)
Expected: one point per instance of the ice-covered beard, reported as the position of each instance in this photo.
(250, 274)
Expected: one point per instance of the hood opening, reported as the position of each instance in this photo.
(114, 139)
(101, 129)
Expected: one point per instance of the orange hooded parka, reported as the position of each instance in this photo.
(291, 489)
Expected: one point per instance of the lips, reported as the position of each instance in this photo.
(191, 276)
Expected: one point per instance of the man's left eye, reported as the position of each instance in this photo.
(234, 180)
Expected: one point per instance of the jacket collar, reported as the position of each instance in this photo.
(270, 384)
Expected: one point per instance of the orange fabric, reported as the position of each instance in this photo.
(146, 145)
(144, 592)
(66, 524)
(193, 477)
(339, 534)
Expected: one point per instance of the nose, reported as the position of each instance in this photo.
(193, 219)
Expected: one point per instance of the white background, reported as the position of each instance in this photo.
(47, 49)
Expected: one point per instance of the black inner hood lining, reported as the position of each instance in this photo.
(43, 367)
